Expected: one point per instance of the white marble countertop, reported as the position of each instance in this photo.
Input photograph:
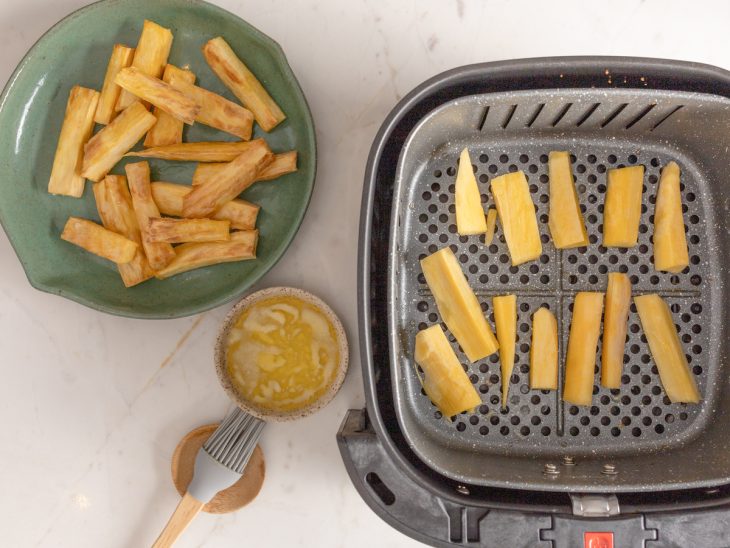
(89, 420)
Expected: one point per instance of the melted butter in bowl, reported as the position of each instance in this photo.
(284, 353)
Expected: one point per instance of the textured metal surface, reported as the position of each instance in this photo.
(634, 426)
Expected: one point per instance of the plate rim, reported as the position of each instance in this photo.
(239, 288)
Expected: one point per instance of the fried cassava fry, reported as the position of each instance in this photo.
(159, 254)
(121, 57)
(108, 146)
(98, 240)
(114, 204)
(217, 111)
(240, 247)
(169, 199)
(66, 177)
(150, 56)
(242, 82)
(168, 130)
(282, 164)
(158, 93)
(230, 182)
(176, 231)
(210, 151)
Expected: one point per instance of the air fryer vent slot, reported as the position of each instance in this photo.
(594, 115)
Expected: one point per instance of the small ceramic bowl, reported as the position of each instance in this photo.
(222, 369)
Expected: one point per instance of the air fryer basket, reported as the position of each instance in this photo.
(395, 479)
(633, 428)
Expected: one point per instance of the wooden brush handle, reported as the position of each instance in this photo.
(186, 510)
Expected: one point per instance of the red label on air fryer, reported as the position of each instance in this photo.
(598, 540)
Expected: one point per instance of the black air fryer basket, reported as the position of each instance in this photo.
(632, 469)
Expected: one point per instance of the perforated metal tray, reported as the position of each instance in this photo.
(648, 440)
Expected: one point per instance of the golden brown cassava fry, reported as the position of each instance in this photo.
(205, 170)
(240, 247)
(177, 231)
(169, 200)
(158, 93)
(212, 151)
(150, 56)
(114, 204)
(66, 177)
(217, 111)
(98, 240)
(241, 81)
(168, 130)
(121, 57)
(231, 181)
(159, 254)
(283, 163)
(108, 146)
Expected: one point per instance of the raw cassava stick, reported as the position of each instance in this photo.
(158, 93)
(240, 247)
(98, 240)
(544, 351)
(217, 111)
(114, 204)
(491, 225)
(108, 146)
(159, 254)
(622, 209)
(566, 223)
(168, 130)
(241, 81)
(670, 241)
(121, 57)
(470, 217)
(176, 231)
(666, 349)
(150, 56)
(580, 361)
(169, 200)
(281, 165)
(231, 181)
(458, 305)
(517, 216)
(615, 324)
(505, 319)
(445, 382)
(78, 121)
(213, 151)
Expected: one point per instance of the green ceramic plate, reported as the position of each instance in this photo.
(76, 51)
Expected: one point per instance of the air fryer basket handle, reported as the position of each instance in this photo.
(417, 512)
